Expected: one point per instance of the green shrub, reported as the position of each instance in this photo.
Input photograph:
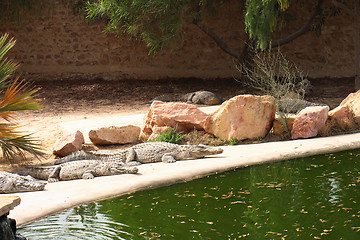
(233, 141)
(171, 135)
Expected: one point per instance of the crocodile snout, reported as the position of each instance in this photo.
(203, 150)
(217, 150)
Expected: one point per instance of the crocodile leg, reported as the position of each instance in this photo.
(88, 175)
(55, 175)
(131, 158)
(167, 158)
(190, 98)
(196, 99)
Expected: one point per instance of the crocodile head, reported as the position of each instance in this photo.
(200, 150)
(116, 168)
(15, 183)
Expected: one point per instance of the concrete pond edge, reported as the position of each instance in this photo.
(63, 195)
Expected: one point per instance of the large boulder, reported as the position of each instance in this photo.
(68, 143)
(309, 121)
(345, 117)
(115, 135)
(352, 102)
(182, 116)
(242, 117)
(340, 119)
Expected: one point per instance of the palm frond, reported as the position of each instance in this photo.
(13, 142)
(7, 67)
(17, 96)
(5, 47)
(18, 145)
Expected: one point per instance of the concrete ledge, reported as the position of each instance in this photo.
(8, 203)
(62, 195)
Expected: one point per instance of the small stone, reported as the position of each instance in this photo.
(69, 143)
(115, 135)
(279, 127)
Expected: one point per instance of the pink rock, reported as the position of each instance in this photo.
(182, 116)
(242, 117)
(68, 143)
(115, 135)
(309, 121)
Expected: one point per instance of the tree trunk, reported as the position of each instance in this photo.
(247, 59)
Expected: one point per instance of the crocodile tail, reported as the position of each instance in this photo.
(38, 172)
(75, 156)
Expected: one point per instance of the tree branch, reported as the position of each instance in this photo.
(344, 7)
(232, 52)
(301, 31)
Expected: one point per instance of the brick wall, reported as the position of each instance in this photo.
(61, 45)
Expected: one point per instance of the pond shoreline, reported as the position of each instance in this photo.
(67, 194)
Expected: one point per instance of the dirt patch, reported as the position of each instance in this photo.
(86, 96)
(75, 100)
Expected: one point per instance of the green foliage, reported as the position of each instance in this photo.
(233, 141)
(15, 96)
(157, 22)
(160, 22)
(170, 135)
(261, 19)
(6, 66)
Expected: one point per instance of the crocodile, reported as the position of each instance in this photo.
(12, 183)
(148, 152)
(85, 169)
(198, 97)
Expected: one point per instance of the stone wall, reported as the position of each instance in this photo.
(332, 54)
(61, 45)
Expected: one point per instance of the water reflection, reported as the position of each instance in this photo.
(312, 198)
(83, 222)
(334, 189)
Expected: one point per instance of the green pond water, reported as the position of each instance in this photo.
(310, 198)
